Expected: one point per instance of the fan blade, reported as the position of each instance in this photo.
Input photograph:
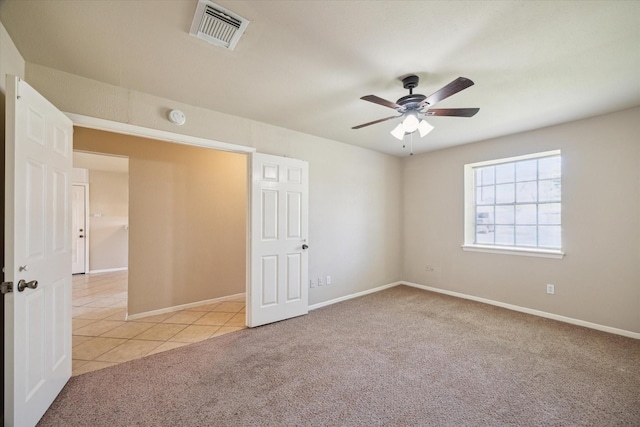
(455, 112)
(376, 121)
(451, 89)
(380, 101)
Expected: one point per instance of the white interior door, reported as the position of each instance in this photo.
(39, 141)
(78, 229)
(279, 228)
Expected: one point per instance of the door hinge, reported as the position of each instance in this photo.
(6, 287)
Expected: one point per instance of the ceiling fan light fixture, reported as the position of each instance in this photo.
(411, 122)
(398, 132)
(424, 128)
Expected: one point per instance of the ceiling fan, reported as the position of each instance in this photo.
(413, 105)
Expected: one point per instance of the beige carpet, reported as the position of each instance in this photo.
(400, 357)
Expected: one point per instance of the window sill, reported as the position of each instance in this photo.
(508, 250)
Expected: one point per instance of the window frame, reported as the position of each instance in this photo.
(470, 212)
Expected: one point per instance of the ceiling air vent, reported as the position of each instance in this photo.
(217, 25)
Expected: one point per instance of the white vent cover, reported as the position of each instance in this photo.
(217, 25)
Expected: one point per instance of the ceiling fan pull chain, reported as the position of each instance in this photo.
(411, 145)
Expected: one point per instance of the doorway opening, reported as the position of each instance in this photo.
(100, 213)
(186, 254)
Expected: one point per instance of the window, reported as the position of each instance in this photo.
(514, 205)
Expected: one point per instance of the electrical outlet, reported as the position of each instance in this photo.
(328, 282)
(312, 284)
(551, 289)
(320, 281)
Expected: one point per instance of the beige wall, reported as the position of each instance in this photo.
(108, 219)
(187, 219)
(361, 201)
(599, 279)
(11, 61)
(355, 194)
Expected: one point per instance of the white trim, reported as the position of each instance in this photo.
(134, 130)
(470, 210)
(511, 250)
(182, 307)
(515, 158)
(87, 227)
(248, 248)
(356, 295)
(108, 270)
(526, 310)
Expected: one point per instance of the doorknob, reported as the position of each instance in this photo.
(305, 247)
(23, 284)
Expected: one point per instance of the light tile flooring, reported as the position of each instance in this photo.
(102, 337)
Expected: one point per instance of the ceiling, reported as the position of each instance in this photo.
(303, 65)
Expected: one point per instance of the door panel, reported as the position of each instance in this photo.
(35, 356)
(37, 247)
(294, 209)
(34, 193)
(59, 344)
(269, 215)
(60, 204)
(279, 209)
(294, 279)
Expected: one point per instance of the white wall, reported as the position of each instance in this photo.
(355, 194)
(598, 281)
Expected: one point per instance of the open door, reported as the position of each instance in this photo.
(37, 263)
(278, 287)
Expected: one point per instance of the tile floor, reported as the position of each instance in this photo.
(102, 337)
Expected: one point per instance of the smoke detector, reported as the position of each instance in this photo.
(217, 25)
(177, 117)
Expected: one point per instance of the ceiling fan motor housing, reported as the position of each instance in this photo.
(410, 101)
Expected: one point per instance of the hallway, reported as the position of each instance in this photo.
(102, 337)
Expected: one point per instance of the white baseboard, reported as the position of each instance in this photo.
(181, 307)
(526, 310)
(356, 295)
(108, 270)
(529, 311)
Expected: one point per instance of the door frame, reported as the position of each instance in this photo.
(86, 224)
(161, 135)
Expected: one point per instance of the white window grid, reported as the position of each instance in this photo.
(489, 202)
